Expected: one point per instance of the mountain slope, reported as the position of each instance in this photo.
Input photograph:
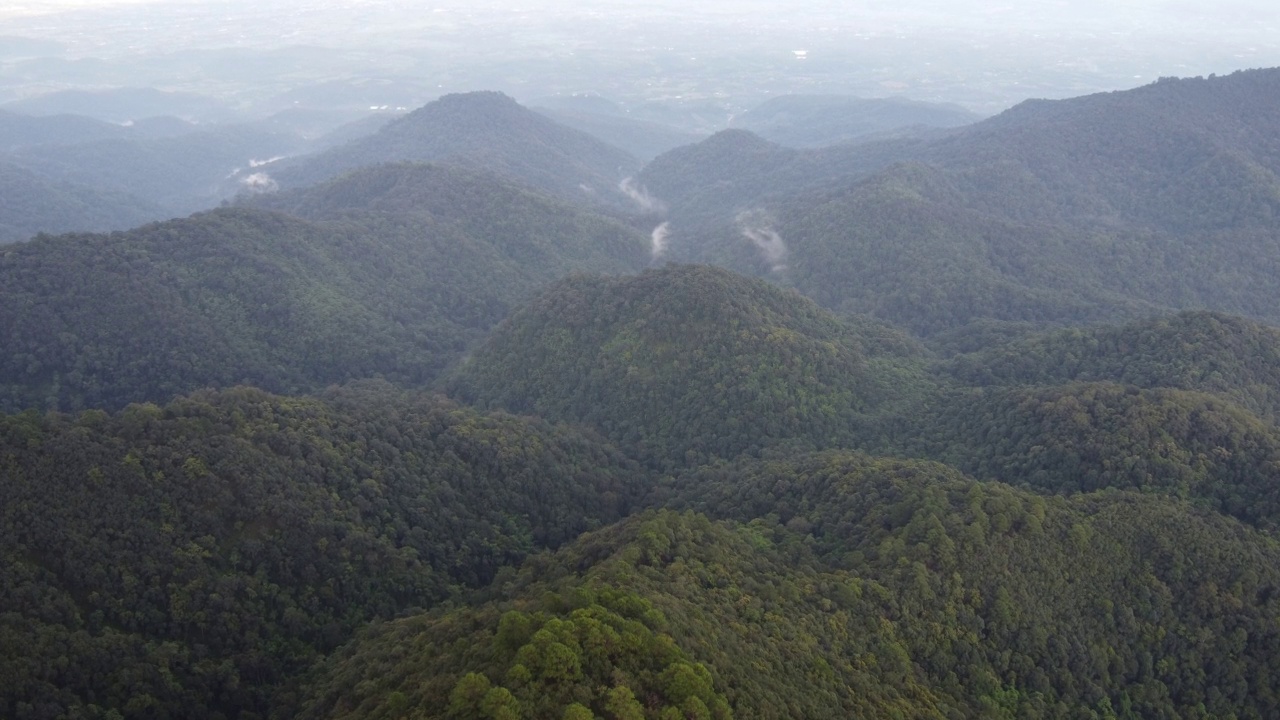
(1182, 155)
(487, 131)
(857, 587)
(192, 559)
(818, 120)
(31, 204)
(1102, 207)
(538, 237)
(1091, 436)
(1210, 352)
(244, 296)
(22, 130)
(183, 173)
(689, 363)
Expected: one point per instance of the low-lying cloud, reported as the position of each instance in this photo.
(259, 182)
(659, 240)
(640, 196)
(756, 226)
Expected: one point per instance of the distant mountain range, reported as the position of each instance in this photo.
(1103, 206)
(817, 120)
(33, 204)
(483, 130)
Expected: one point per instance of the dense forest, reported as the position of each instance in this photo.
(687, 364)
(185, 560)
(247, 296)
(972, 421)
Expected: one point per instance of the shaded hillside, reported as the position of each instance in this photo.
(183, 173)
(31, 204)
(690, 363)
(241, 296)
(1210, 352)
(1091, 436)
(189, 560)
(862, 588)
(487, 131)
(19, 130)
(818, 120)
(1182, 155)
(704, 186)
(904, 246)
(1077, 210)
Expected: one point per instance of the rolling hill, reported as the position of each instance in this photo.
(686, 364)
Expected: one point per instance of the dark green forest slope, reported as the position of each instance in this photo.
(247, 296)
(484, 131)
(1089, 436)
(689, 363)
(186, 560)
(537, 239)
(1210, 352)
(852, 587)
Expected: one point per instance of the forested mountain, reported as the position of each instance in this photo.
(818, 120)
(705, 185)
(19, 130)
(1191, 155)
(31, 204)
(1091, 436)
(851, 587)
(880, 458)
(240, 295)
(188, 560)
(1106, 206)
(686, 364)
(1228, 356)
(182, 173)
(541, 238)
(486, 131)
